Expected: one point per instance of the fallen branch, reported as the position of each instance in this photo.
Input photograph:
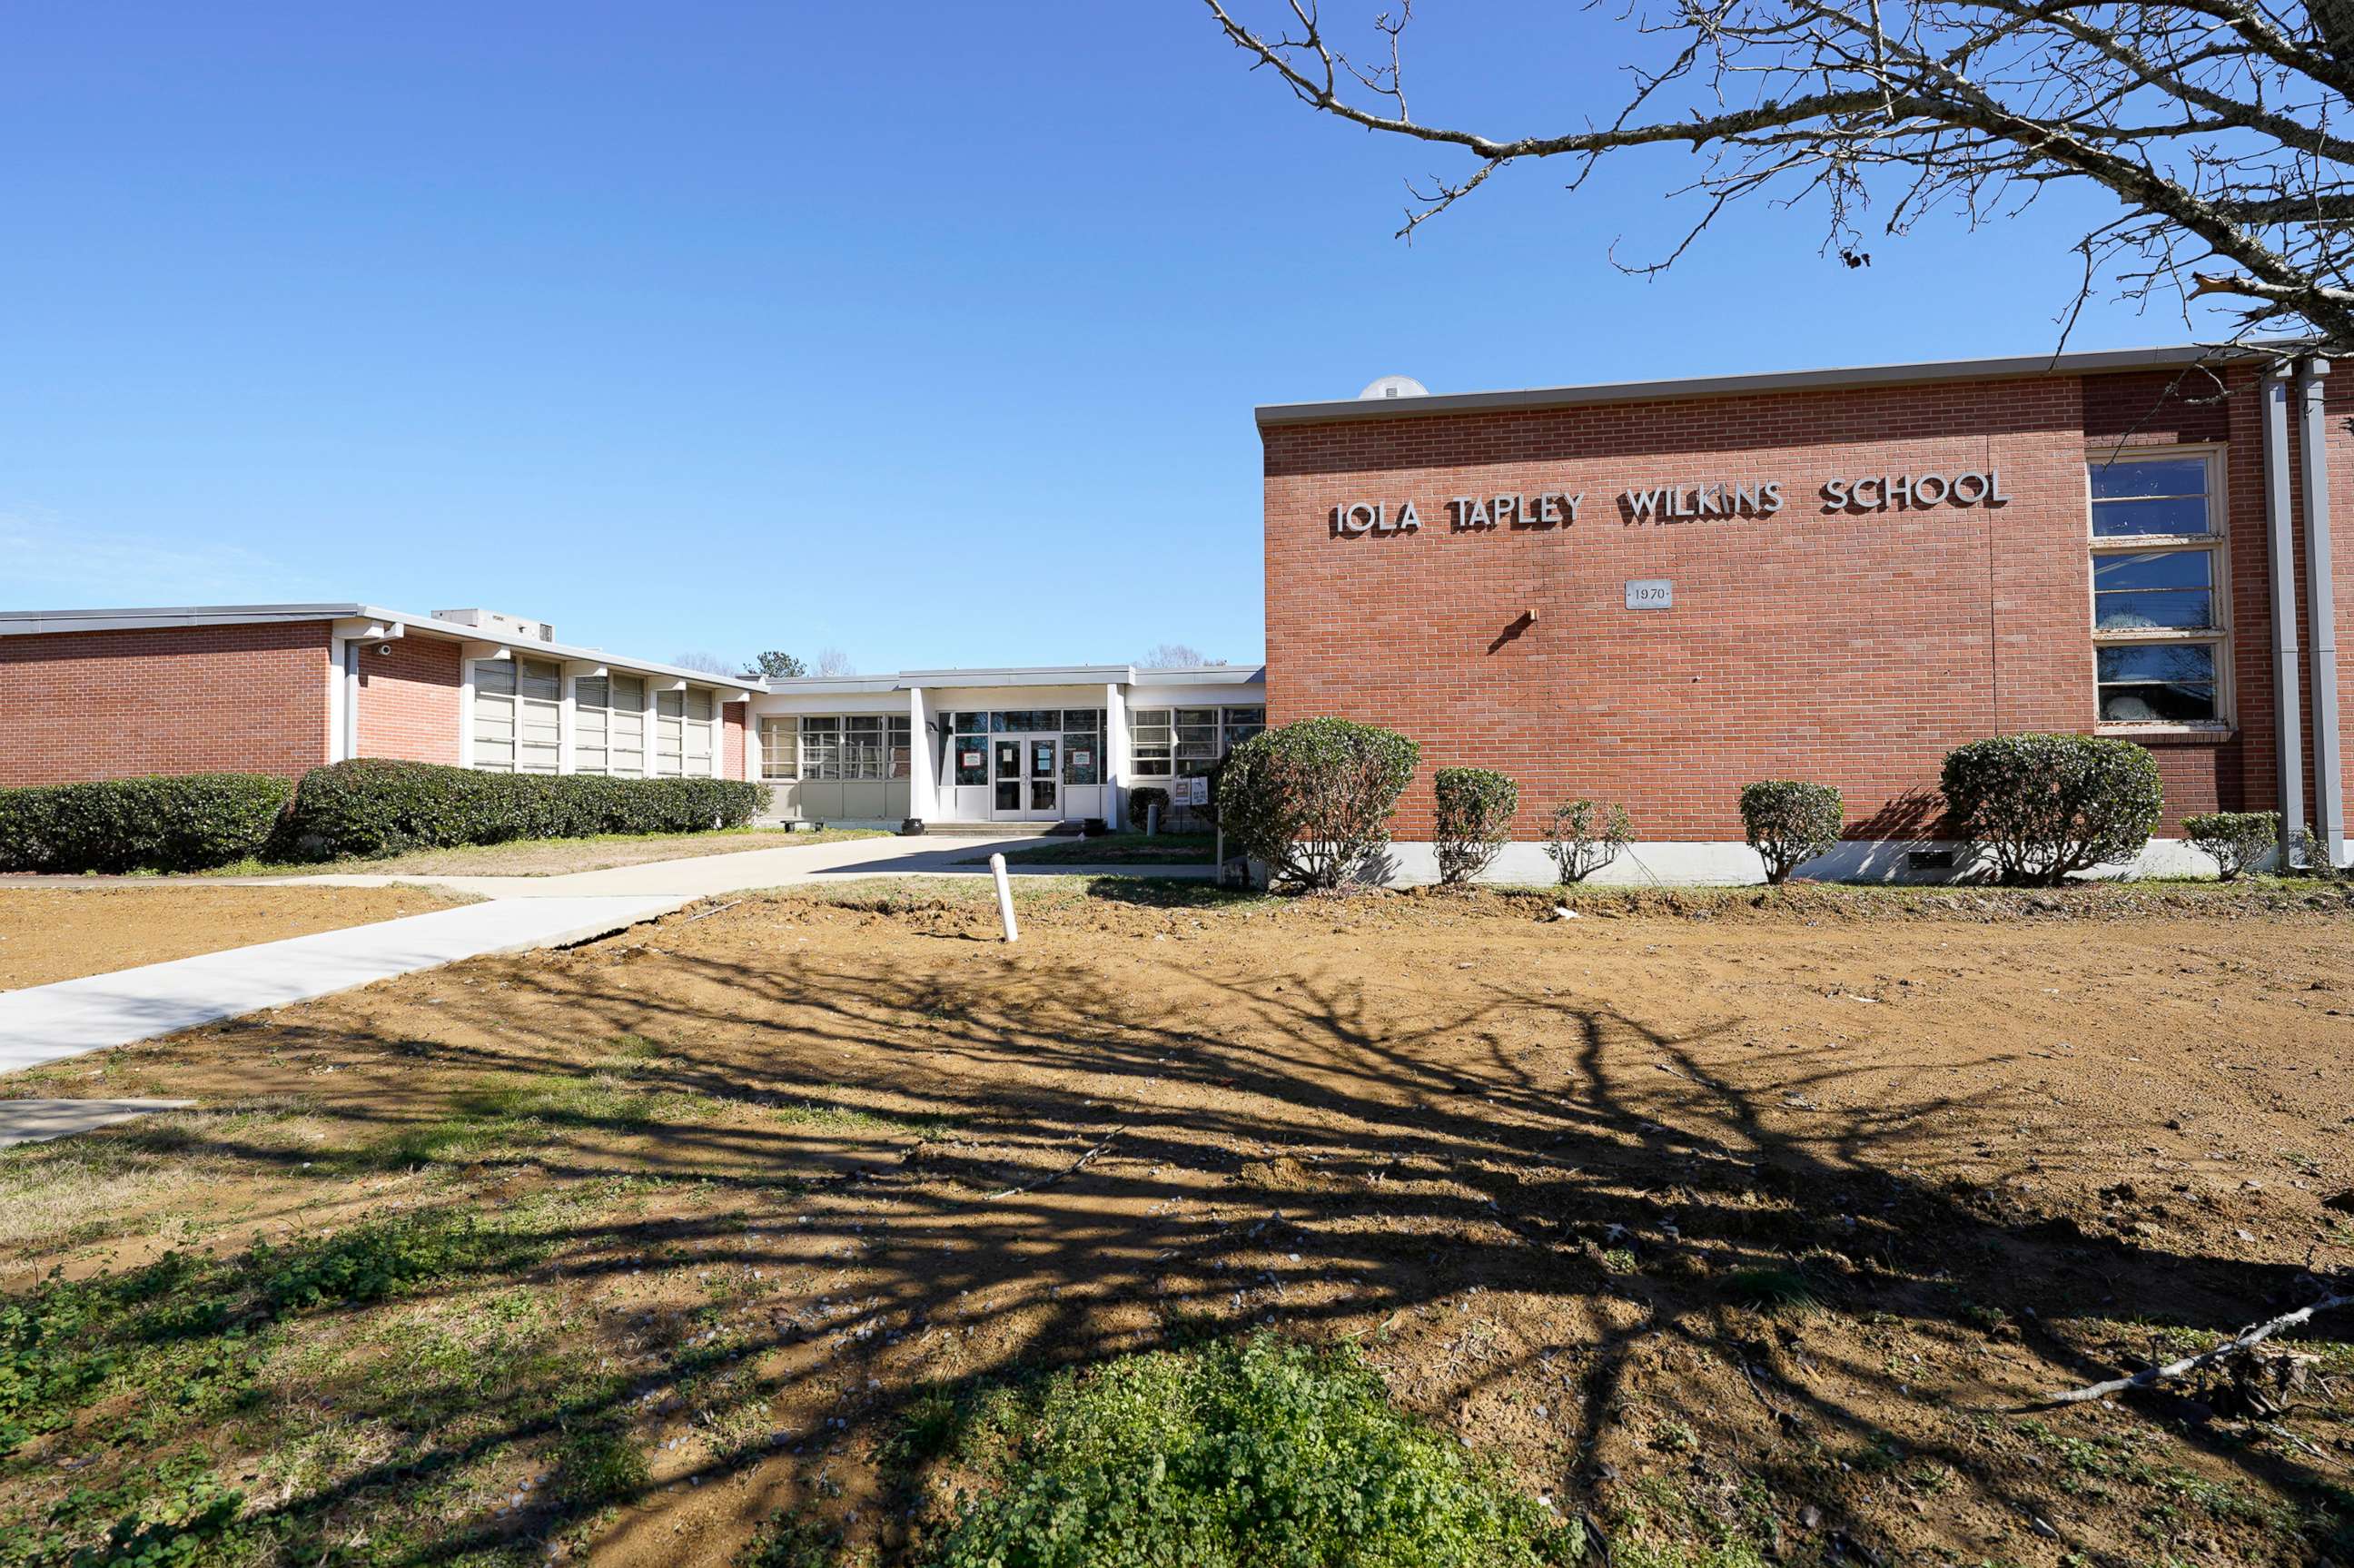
(2245, 1339)
(707, 914)
(1053, 1176)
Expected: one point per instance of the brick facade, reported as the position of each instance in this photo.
(108, 704)
(408, 700)
(1851, 647)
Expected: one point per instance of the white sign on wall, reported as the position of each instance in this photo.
(1651, 593)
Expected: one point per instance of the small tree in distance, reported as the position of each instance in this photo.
(776, 666)
(1789, 821)
(833, 661)
(1476, 805)
(1584, 836)
(1177, 656)
(711, 663)
(1314, 799)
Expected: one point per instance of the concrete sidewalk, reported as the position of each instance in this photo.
(787, 865)
(51, 1023)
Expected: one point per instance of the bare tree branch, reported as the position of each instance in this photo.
(2212, 125)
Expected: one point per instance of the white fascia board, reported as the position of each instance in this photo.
(38, 622)
(25, 623)
(571, 652)
(2016, 367)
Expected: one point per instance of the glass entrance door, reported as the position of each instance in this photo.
(1025, 777)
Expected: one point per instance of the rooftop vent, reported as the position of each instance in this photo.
(1395, 387)
(505, 625)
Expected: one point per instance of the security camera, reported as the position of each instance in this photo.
(383, 650)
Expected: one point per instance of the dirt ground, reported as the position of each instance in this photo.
(1744, 1225)
(61, 933)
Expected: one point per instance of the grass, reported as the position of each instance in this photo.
(1776, 1292)
(1118, 849)
(1261, 1451)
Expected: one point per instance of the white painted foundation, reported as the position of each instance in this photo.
(1733, 864)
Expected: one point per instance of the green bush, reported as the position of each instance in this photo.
(2235, 839)
(2046, 805)
(1265, 1454)
(1476, 805)
(1788, 822)
(375, 807)
(1141, 799)
(1314, 799)
(186, 823)
(1584, 836)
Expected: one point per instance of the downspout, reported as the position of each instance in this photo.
(2320, 590)
(2287, 714)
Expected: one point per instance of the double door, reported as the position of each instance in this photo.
(1025, 777)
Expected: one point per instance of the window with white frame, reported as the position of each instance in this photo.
(625, 727)
(1083, 735)
(608, 726)
(670, 734)
(2160, 633)
(1181, 742)
(1152, 743)
(780, 748)
(518, 715)
(967, 757)
(854, 746)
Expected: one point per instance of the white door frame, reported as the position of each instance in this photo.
(1023, 741)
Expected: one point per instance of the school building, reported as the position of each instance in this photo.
(1651, 593)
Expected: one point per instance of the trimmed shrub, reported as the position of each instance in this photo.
(1141, 799)
(377, 807)
(2235, 839)
(1584, 836)
(1474, 817)
(191, 822)
(1789, 821)
(1314, 799)
(1264, 1453)
(2046, 805)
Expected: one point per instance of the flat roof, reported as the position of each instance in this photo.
(2099, 362)
(35, 622)
(1021, 675)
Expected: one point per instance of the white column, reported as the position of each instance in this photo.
(923, 794)
(1115, 761)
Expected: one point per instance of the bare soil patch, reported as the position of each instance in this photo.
(62, 933)
(1740, 1224)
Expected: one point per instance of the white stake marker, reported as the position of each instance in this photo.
(1004, 897)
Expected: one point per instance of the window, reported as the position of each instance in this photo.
(856, 745)
(625, 728)
(518, 715)
(1183, 742)
(1083, 746)
(2158, 631)
(969, 749)
(1150, 736)
(670, 734)
(780, 748)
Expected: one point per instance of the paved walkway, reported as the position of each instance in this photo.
(788, 865)
(51, 1023)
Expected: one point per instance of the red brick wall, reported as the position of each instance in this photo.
(409, 703)
(107, 704)
(731, 739)
(1851, 647)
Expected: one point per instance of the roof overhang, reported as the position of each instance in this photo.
(2106, 362)
(365, 621)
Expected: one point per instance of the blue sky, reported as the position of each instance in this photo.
(929, 333)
